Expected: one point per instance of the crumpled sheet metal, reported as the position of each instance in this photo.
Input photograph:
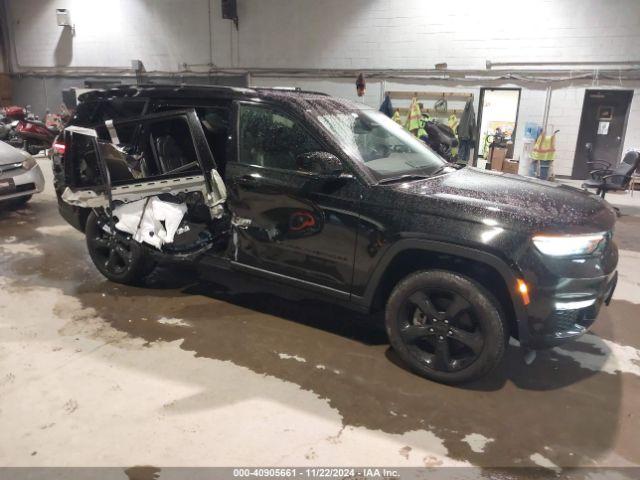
(218, 196)
(84, 198)
(150, 220)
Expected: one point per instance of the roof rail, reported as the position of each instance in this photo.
(289, 89)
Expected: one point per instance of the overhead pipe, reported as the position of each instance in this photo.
(544, 77)
(491, 64)
(332, 72)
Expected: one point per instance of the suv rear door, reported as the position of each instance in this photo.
(135, 158)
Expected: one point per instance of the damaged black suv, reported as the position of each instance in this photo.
(337, 201)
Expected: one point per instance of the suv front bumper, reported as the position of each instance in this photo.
(569, 311)
(19, 182)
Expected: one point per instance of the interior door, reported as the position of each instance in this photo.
(602, 129)
(286, 220)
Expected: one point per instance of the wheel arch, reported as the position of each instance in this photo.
(410, 255)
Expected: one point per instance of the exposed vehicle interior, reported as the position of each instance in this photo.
(157, 158)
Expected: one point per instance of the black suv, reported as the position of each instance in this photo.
(334, 199)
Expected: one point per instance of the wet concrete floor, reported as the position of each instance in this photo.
(186, 372)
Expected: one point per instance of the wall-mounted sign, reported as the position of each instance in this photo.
(603, 128)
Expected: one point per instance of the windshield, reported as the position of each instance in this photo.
(383, 146)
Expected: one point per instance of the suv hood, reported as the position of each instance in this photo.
(516, 201)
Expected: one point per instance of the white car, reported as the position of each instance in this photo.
(20, 175)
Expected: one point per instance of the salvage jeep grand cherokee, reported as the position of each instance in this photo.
(338, 201)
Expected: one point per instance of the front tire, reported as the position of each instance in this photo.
(445, 326)
(21, 201)
(117, 257)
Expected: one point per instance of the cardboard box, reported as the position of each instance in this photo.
(496, 157)
(509, 149)
(509, 166)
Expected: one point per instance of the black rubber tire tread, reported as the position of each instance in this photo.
(20, 201)
(140, 267)
(487, 310)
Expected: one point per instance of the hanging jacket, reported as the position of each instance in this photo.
(386, 106)
(545, 147)
(396, 117)
(413, 120)
(467, 126)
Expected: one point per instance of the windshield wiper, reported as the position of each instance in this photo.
(413, 176)
(440, 170)
(402, 178)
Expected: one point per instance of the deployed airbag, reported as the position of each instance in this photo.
(150, 220)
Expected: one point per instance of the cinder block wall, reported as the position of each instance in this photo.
(167, 34)
(325, 33)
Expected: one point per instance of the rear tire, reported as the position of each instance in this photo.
(20, 201)
(445, 326)
(118, 257)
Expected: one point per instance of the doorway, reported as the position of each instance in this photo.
(498, 112)
(602, 128)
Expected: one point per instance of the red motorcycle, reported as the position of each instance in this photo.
(35, 135)
(9, 119)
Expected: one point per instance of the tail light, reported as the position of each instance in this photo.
(58, 148)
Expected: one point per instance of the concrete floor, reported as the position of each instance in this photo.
(185, 373)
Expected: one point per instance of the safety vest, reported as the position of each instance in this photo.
(544, 148)
(396, 117)
(413, 120)
(453, 122)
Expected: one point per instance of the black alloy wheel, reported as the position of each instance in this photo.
(118, 257)
(445, 326)
(113, 252)
(441, 329)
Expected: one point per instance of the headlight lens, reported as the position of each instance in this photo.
(29, 163)
(568, 245)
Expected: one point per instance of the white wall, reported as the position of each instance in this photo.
(564, 113)
(165, 34)
(328, 33)
(110, 33)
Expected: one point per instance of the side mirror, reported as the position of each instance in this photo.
(323, 164)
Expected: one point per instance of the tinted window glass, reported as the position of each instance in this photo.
(270, 139)
(121, 108)
(215, 125)
(380, 144)
(173, 146)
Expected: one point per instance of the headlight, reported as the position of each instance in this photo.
(29, 163)
(568, 245)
